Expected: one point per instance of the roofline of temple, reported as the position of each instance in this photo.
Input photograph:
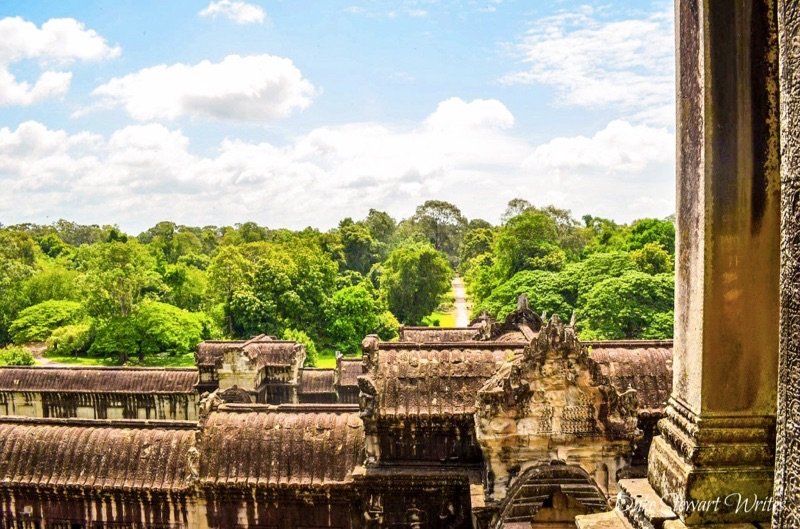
(121, 424)
(467, 344)
(98, 368)
(627, 343)
(289, 408)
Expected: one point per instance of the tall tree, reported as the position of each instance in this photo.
(360, 249)
(117, 277)
(229, 270)
(528, 241)
(443, 224)
(289, 289)
(515, 206)
(414, 278)
(633, 305)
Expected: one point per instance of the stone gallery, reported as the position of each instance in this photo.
(485, 426)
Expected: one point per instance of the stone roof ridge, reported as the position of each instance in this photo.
(96, 368)
(288, 408)
(631, 342)
(471, 344)
(100, 423)
(126, 380)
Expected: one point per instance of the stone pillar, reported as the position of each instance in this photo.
(787, 458)
(718, 438)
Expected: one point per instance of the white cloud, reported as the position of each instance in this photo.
(253, 88)
(58, 42)
(238, 12)
(464, 152)
(628, 64)
(620, 147)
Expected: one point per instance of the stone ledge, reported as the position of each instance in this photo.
(603, 520)
(641, 505)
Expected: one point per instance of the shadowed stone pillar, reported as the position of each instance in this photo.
(787, 460)
(718, 437)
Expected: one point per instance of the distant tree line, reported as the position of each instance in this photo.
(94, 290)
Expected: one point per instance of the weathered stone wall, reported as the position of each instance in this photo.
(787, 460)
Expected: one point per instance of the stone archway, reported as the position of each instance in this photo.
(551, 494)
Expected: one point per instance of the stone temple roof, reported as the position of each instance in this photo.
(93, 454)
(349, 371)
(302, 446)
(98, 379)
(316, 381)
(437, 334)
(261, 350)
(429, 380)
(644, 365)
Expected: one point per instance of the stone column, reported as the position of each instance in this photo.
(787, 459)
(718, 438)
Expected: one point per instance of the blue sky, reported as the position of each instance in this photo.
(300, 113)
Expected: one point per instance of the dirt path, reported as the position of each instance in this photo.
(461, 304)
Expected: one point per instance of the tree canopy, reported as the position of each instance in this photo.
(92, 289)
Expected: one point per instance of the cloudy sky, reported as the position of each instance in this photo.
(295, 113)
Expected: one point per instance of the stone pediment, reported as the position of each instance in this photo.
(552, 401)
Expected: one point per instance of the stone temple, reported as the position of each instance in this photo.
(511, 424)
(483, 426)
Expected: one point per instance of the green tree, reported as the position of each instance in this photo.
(187, 286)
(646, 231)
(633, 305)
(414, 278)
(475, 242)
(154, 327)
(604, 235)
(71, 340)
(289, 289)
(17, 260)
(118, 276)
(36, 323)
(312, 355)
(381, 226)
(52, 281)
(528, 241)
(360, 249)
(545, 291)
(228, 271)
(172, 241)
(351, 314)
(579, 278)
(652, 258)
(16, 356)
(443, 225)
(515, 207)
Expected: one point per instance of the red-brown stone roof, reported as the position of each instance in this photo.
(349, 371)
(98, 379)
(315, 381)
(301, 446)
(437, 334)
(210, 352)
(428, 380)
(644, 365)
(93, 454)
(261, 350)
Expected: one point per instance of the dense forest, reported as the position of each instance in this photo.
(94, 293)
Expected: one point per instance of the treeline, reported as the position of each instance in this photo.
(618, 279)
(96, 291)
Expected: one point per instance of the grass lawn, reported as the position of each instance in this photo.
(326, 361)
(159, 360)
(446, 319)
